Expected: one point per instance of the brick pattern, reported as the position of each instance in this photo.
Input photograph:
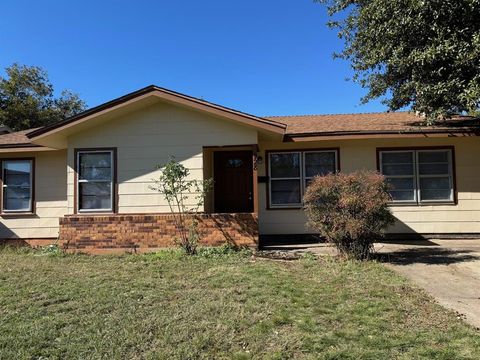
(148, 232)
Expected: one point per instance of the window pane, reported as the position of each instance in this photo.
(402, 195)
(435, 183)
(285, 165)
(95, 166)
(426, 195)
(397, 169)
(13, 179)
(16, 198)
(319, 163)
(16, 173)
(397, 157)
(432, 156)
(95, 196)
(16, 180)
(284, 192)
(433, 169)
(234, 163)
(401, 183)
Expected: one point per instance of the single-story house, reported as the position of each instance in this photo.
(86, 181)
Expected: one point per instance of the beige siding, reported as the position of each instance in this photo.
(149, 137)
(50, 197)
(361, 154)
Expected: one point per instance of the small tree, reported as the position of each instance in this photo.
(184, 198)
(349, 210)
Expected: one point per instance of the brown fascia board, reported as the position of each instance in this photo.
(144, 91)
(385, 132)
(7, 146)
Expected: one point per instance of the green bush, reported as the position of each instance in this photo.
(52, 249)
(349, 210)
(222, 251)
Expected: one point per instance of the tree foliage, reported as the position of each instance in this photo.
(423, 54)
(27, 99)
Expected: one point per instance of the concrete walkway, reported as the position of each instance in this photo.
(449, 270)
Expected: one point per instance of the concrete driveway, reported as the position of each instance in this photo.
(449, 270)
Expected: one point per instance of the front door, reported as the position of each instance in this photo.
(233, 181)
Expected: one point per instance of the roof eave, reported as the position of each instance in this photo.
(379, 134)
(14, 148)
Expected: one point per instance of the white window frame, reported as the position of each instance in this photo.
(270, 179)
(416, 176)
(80, 181)
(449, 174)
(30, 207)
(302, 178)
(413, 176)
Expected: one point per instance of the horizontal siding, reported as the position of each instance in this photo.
(463, 217)
(150, 137)
(50, 197)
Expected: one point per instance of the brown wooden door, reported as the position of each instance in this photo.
(233, 177)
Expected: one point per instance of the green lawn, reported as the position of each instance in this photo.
(171, 307)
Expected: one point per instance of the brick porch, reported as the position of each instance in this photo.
(149, 232)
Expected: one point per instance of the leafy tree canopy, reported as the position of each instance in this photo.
(423, 54)
(27, 99)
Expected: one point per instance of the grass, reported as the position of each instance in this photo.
(218, 305)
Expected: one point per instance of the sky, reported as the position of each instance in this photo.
(264, 57)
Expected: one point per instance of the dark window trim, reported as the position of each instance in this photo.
(32, 209)
(302, 150)
(114, 181)
(420, 148)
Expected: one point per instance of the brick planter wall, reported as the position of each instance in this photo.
(149, 232)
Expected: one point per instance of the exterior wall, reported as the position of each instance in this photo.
(149, 137)
(142, 233)
(463, 217)
(50, 198)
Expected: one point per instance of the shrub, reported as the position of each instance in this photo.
(224, 250)
(52, 249)
(349, 210)
(184, 197)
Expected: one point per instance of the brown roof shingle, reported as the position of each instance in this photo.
(386, 122)
(16, 139)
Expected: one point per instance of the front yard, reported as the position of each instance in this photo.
(231, 306)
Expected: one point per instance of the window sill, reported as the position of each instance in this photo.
(17, 214)
(284, 208)
(107, 212)
(423, 203)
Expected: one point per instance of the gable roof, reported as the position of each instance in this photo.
(296, 128)
(168, 95)
(372, 123)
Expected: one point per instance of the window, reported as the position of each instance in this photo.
(95, 180)
(418, 176)
(291, 172)
(17, 192)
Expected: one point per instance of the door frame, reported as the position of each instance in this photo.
(253, 148)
